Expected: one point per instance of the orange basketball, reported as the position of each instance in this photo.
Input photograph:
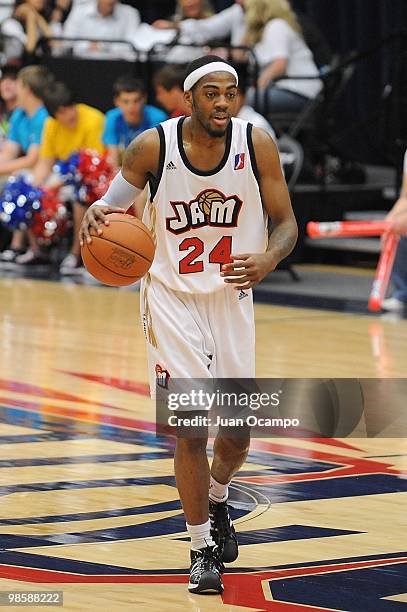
(122, 254)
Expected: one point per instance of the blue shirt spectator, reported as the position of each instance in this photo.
(120, 133)
(26, 130)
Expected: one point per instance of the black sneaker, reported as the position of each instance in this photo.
(206, 571)
(222, 531)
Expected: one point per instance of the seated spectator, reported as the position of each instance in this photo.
(27, 25)
(273, 31)
(103, 20)
(130, 117)
(8, 98)
(21, 149)
(229, 23)
(169, 90)
(192, 9)
(185, 9)
(69, 128)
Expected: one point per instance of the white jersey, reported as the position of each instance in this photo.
(199, 217)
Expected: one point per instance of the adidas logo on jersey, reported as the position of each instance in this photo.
(242, 294)
(170, 166)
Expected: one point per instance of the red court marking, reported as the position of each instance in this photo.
(246, 589)
(28, 389)
(119, 383)
(242, 589)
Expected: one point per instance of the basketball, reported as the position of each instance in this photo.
(122, 254)
(206, 198)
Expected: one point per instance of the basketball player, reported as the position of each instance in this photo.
(213, 182)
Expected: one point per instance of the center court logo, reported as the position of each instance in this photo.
(210, 207)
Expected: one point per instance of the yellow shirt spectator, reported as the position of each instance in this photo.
(60, 141)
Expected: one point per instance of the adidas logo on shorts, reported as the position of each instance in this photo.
(242, 294)
(171, 166)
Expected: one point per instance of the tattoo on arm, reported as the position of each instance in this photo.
(283, 239)
(134, 150)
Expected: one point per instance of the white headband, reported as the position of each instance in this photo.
(207, 69)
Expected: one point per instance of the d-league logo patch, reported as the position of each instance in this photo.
(162, 376)
(239, 161)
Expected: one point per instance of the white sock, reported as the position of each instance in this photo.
(218, 492)
(200, 535)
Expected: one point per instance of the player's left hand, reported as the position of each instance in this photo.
(248, 269)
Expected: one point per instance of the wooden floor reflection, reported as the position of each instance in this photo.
(89, 504)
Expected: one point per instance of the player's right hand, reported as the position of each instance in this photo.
(95, 217)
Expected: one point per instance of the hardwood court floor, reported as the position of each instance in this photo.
(88, 499)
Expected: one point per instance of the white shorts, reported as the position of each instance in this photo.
(197, 335)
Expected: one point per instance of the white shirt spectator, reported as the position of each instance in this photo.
(85, 21)
(13, 47)
(247, 113)
(229, 22)
(280, 41)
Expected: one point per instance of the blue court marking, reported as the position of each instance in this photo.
(167, 526)
(286, 533)
(332, 488)
(41, 437)
(371, 484)
(141, 456)
(58, 564)
(87, 484)
(358, 590)
(88, 516)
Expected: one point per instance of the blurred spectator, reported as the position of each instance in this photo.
(273, 31)
(70, 128)
(27, 25)
(188, 9)
(185, 9)
(103, 20)
(228, 23)
(8, 98)
(59, 12)
(169, 90)
(130, 117)
(21, 149)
